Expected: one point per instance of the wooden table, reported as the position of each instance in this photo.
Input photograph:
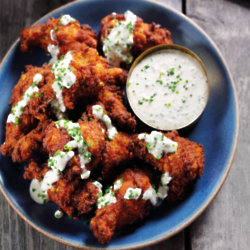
(226, 222)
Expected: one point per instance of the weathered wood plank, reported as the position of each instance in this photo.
(225, 224)
(15, 233)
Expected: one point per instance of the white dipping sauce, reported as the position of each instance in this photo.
(168, 89)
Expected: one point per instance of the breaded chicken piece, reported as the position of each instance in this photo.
(91, 71)
(124, 212)
(91, 75)
(41, 35)
(30, 144)
(185, 166)
(117, 151)
(111, 98)
(76, 198)
(27, 121)
(36, 169)
(145, 35)
(56, 138)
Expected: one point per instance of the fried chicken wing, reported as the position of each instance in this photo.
(117, 151)
(145, 35)
(111, 98)
(57, 137)
(76, 198)
(30, 143)
(91, 72)
(185, 166)
(54, 32)
(36, 169)
(124, 212)
(27, 122)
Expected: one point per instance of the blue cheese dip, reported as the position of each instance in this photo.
(17, 110)
(117, 45)
(168, 89)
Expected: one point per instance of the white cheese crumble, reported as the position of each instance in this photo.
(132, 193)
(150, 194)
(162, 192)
(118, 184)
(157, 143)
(117, 45)
(97, 110)
(17, 110)
(107, 199)
(66, 19)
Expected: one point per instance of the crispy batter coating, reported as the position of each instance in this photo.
(185, 166)
(76, 198)
(124, 212)
(91, 71)
(111, 98)
(56, 138)
(40, 35)
(117, 151)
(26, 122)
(35, 170)
(30, 143)
(145, 35)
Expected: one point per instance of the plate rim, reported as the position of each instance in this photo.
(217, 188)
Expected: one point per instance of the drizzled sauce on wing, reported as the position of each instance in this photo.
(117, 45)
(157, 143)
(64, 78)
(17, 110)
(60, 159)
(97, 110)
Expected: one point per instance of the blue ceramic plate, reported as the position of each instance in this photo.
(217, 130)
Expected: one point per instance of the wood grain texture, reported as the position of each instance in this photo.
(15, 233)
(225, 224)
